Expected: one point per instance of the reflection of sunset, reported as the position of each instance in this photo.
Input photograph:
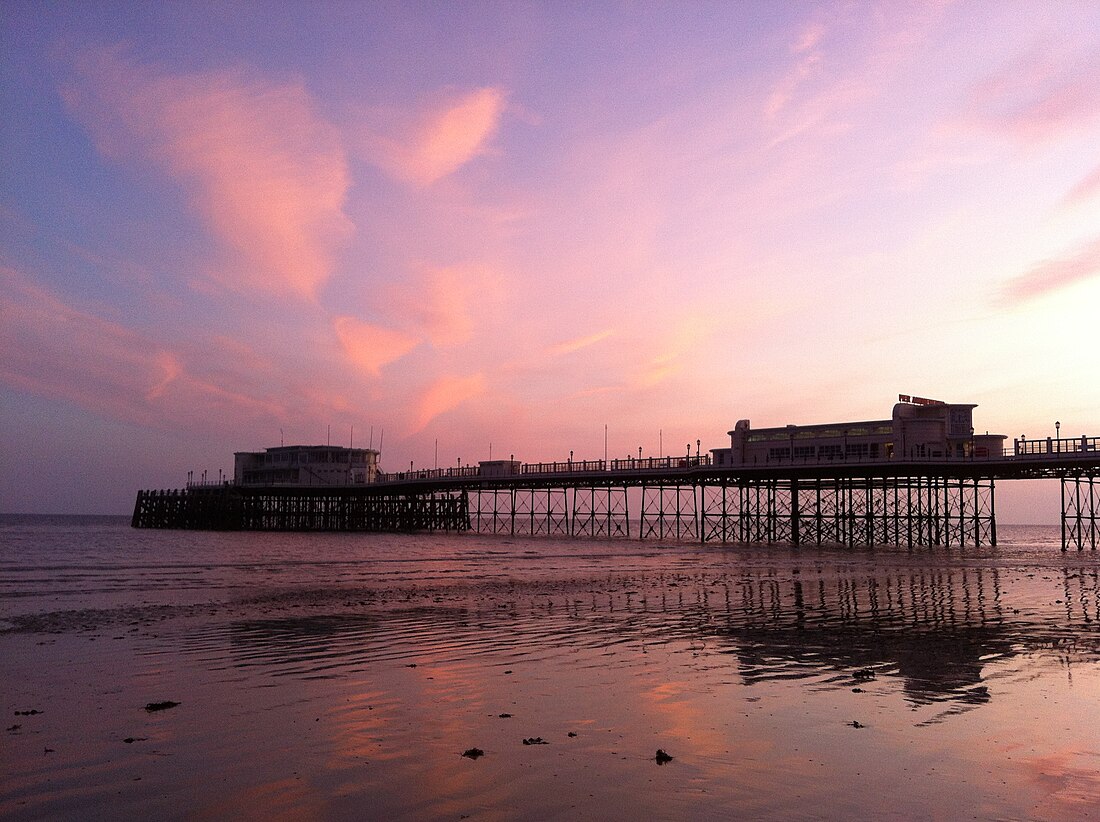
(340, 675)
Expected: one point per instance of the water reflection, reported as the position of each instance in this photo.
(342, 678)
(933, 630)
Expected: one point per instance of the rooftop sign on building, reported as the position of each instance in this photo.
(919, 400)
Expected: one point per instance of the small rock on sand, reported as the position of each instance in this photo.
(473, 753)
(661, 758)
(160, 706)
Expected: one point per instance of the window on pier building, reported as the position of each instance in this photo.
(960, 422)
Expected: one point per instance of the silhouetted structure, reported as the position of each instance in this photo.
(929, 495)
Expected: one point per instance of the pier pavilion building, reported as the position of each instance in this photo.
(305, 465)
(918, 429)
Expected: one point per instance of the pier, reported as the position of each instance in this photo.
(923, 476)
(944, 501)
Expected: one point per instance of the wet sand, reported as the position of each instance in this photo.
(343, 677)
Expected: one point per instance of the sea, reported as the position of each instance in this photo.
(199, 675)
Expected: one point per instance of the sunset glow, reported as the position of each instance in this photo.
(223, 226)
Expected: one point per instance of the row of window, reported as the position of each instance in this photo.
(853, 450)
(315, 457)
(779, 435)
(292, 475)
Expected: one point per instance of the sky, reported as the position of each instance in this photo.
(450, 228)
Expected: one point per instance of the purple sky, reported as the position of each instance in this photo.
(226, 223)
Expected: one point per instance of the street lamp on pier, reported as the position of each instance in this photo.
(1058, 434)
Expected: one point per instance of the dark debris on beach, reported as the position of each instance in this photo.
(152, 707)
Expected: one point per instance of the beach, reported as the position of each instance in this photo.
(197, 675)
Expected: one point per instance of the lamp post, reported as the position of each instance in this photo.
(1058, 435)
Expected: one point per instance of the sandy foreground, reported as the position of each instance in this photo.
(782, 684)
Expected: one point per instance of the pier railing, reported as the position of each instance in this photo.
(1055, 446)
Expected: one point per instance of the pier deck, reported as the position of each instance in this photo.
(846, 502)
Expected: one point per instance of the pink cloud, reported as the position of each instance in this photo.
(371, 347)
(1034, 100)
(446, 393)
(442, 139)
(171, 368)
(809, 38)
(673, 350)
(268, 176)
(569, 346)
(55, 350)
(1087, 189)
(1051, 275)
(786, 88)
(444, 303)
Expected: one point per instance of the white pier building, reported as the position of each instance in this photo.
(305, 465)
(918, 429)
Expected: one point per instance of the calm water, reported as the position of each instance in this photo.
(339, 676)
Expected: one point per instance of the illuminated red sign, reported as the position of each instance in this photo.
(919, 400)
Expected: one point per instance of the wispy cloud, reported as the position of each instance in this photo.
(53, 349)
(674, 348)
(809, 56)
(443, 303)
(371, 347)
(809, 38)
(1035, 98)
(446, 393)
(267, 174)
(440, 140)
(569, 346)
(837, 66)
(1051, 275)
(1086, 190)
